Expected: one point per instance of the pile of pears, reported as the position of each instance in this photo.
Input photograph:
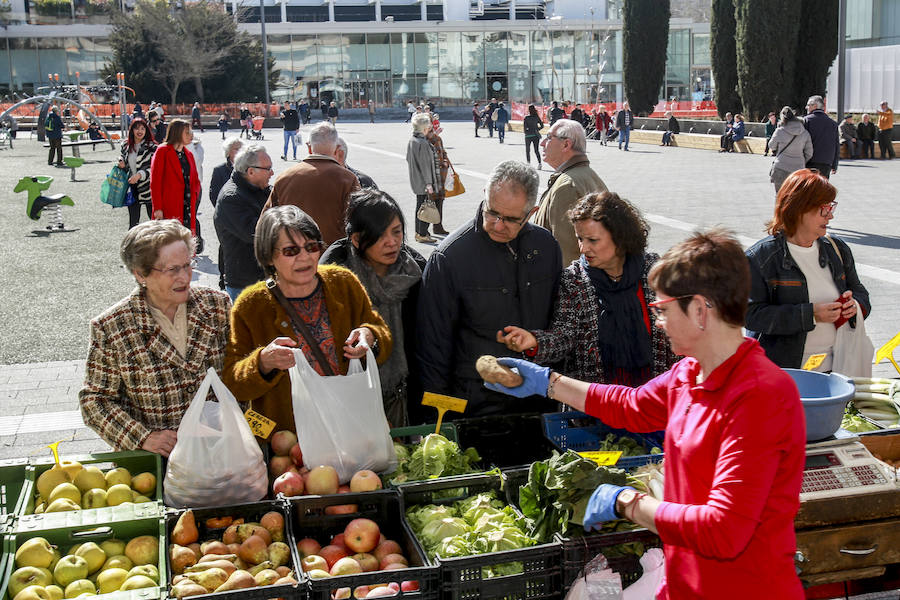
(69, 485)
(43, 573)
(247, 555)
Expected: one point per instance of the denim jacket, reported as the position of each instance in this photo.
(780, 313)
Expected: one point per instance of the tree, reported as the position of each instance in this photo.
(817, 47)
(765, 62)
(645, 38)
(724, 59)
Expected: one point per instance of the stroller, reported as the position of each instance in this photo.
(257, 127)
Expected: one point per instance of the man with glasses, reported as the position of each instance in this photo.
(823, 131)
(237, 210)
(564, 150)
(496, 270)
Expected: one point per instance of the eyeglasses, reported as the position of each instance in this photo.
(310, 247)
(654, 306)
(176, 270)
(261, 167)
(551, 136)
(494, 217)
(827, 209)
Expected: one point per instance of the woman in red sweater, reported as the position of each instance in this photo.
(735, 434)
(174, 181)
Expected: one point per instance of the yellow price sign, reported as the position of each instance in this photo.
(443, 404)
(260, 425)
(604, 458)
(814, 361)
(54, 448)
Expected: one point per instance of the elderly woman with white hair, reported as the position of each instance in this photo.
(222, 172)
(424, 177)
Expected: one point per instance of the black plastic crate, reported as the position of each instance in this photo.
(308, 519)
(462, 578)
(505, 440)
(250, 513)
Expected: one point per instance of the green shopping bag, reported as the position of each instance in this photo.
(113, 190)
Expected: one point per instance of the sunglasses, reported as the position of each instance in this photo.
(310, 247)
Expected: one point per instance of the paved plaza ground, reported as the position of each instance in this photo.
(53, 284)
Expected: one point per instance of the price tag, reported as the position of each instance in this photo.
(814, 361)
(443, 404)
(260, 425)
(604, 458)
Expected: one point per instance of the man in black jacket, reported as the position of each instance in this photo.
(237, 211)
(53, 127)
(463, 310)
(825, 139)
(867, 133)
(556, 113)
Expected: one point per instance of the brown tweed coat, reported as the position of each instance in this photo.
(135, 381)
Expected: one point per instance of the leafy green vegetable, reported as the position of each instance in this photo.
(855, 423)
(435, 456)
(420, 516)
(435, 531)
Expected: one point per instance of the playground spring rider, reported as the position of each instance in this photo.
(38, 203)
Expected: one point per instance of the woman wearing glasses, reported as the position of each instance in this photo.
(734, 433)
(601, 328)
(150, 351)
(804, 281)
(321, 309)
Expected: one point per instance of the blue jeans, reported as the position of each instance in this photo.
(290, 137)
(501, 131)
(624, 134)
(233, 292)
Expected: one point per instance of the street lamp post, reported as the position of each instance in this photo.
(265, 53)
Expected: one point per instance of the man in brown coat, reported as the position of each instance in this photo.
(318, 185)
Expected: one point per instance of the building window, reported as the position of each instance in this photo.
(354, 13)
(434, 12)
(307, 14)
(401, 12)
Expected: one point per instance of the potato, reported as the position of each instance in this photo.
(493, 372)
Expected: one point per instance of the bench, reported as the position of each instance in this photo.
(75, 145)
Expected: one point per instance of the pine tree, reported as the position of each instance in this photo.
(645, 38)
(724, 59)
(817, 48)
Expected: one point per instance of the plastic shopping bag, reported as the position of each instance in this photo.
(216, 460)
(114, 188)
(340, 419)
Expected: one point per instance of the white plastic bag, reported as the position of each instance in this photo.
(853, 349)
(654, 564)
(340, 419)
(216, 460)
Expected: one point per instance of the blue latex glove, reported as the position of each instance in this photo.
(602, 506)
(536, 378)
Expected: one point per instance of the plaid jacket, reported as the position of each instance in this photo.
(572, 335)
(135, 381)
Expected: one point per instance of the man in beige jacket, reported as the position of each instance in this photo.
(564, 150)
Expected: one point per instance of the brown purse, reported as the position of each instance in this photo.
(456, 188)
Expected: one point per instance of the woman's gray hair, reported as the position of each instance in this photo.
(269, 227)
(421, 122)
(787, 114)
(573, 131)
(516, 173)
(140, 247)
(248, 157)
(230, 144)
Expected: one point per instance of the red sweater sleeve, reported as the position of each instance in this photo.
(641, 409)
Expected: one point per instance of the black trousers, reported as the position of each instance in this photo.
(867, 148)
(55, 146)
(885, 145)
(824, 169)
(134, 213)
(533, 141)
(421, 226)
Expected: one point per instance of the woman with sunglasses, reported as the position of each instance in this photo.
(150, 351)
(321, 309)
(602, 329)
(734, 433)
(805, 283)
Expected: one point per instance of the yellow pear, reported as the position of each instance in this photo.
(56, 592)
(118, 475)
(51, 478)
(79, 587)
(93, 554)
(188, 588)
(137, 582)
(118, 493)
(110, 580)
(33, 592)
(144, 483)
(146, 570)
(71, 467)
(62, 505)
(119, 561)
(36, 552)
(185, 531)
(113, 547)
(210, 578)
(89, 478)
(26, 576)
(238, 580)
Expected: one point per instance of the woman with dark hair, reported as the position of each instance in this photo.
(137, 154)
(532, 126)
(791, 146)
(804, 281)
(301, 301)
(376, 252)
(174, 180)
(735, 439)
(602, 329)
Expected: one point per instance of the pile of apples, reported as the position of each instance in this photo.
(69, 485)
(360, 548)
(86, 569)
(248, 555)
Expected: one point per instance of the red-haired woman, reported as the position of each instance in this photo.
(137, 154)
(804, 281)
(174, 181)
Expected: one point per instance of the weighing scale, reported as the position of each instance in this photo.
(840, 466)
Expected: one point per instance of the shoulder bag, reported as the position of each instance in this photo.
(853, 348)
(453, 186)
(780, 152)
(300, 326)
(428, 212)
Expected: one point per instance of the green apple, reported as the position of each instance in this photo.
(51, 478)
(118, 475)
(56, 592)
(26, 576)
(79, 587)
(62, 505)
(65, 490)
(138, 582)
(113, 547)
(36, 552)
(94, 498)
(146, 570)
(93, 554)
(89, 478)
(119, 493)
(119, 561)
(70, 568)
(111, 580)
(33, 592)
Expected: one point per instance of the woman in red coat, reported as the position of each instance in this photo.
(174, 181)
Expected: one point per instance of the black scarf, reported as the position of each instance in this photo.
(622, 334)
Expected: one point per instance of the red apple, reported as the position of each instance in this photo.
(394, 586)
(387, 547)
(322, 480)
(381, 538)
(361, 535)
(289, 484)
(341, 509)
(345, 566)
(381, 592)
(332, 554)
(409, 586)
(297, 455)
(308, 546)
(366, 561)
(343, 489)
(391, 559)
(313, 561)
(338, 540)
(282, 442)
(278, 465)
(365, 481)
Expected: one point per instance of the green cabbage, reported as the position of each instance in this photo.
(435, 531)
(420, 516)
(435, 456)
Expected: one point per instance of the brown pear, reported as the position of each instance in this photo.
(225, 565)
(274, 524)
(285, 579)
(283, 570)
(254, 550)
(213, 547)
(266, 577)
(248, 529)
(211, 557)
(188, 588)
(196, 548)
(179, 578)
(260, 567)
(239, 580)
(185, 531)
(209, 578)
(279, 553)
(234, 548)
(181, 557)
(231, 535)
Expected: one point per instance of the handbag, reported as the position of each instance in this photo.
(428, 212)
(114, 188)
(129, 197)
(300, 325)
(453, 185)
(853, 348)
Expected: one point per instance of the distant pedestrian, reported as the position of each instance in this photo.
(532, 124)
(333, 112)
(424, 176)
(602, 124)
(867, 133)
(577, 115)
(53, 127)
(290, 121)
(157, 125)
(849, 137)
(824, 133)
(624, 123)
(476, 117)
(174, 179)
(726, 133)
(371, 111)
(222, 171)
(246, 121)
(196, 117)
(790, 145)
(411, 110)
(885, 131)
(223, 124)
(135, 158)
(303, 109)
(771, 126)
(501, 119)
(556, 113)
(488, 115)
(673, 128)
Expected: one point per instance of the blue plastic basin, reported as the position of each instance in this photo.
(824, 397)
